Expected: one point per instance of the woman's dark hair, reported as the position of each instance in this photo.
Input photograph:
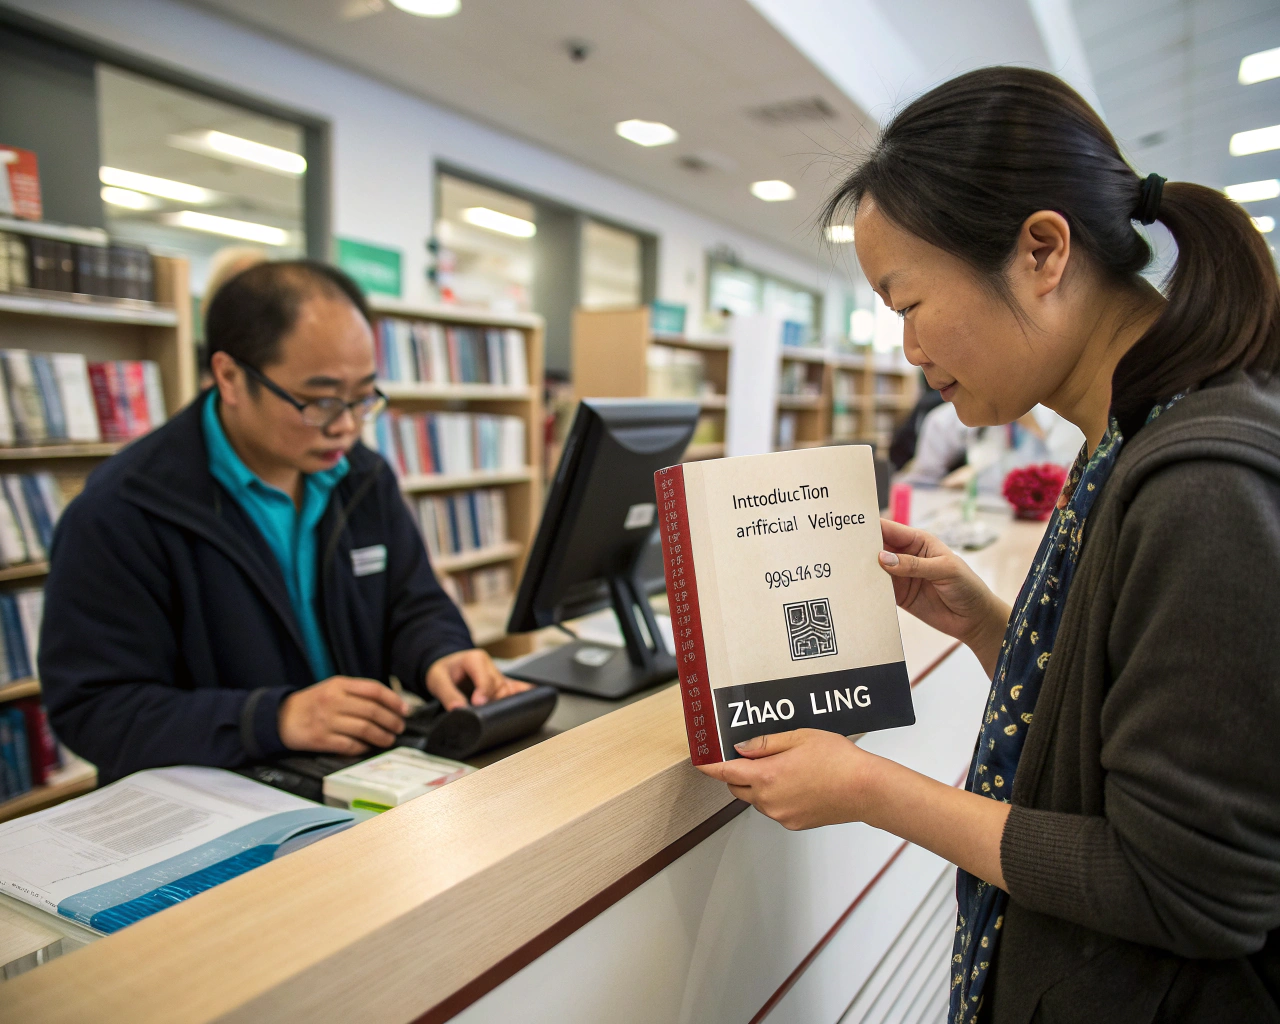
(251, 313)
(963, 166)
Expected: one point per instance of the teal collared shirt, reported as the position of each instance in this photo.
(290, 532)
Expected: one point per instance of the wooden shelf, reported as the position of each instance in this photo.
(20, 688)
(895, 401)
(64, 451)
(703, 344)
(405, 392)
(454, 314)
(714, 401)
(848, 360)
(88, 307)
(62, 232)
(26, 571)
(699, 452)
(799, 401)
(76, 778)
(451, 482)
(484, 556)
(804, 355)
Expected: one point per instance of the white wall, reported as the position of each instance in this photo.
(385, 143)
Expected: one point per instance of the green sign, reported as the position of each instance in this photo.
(374, 269)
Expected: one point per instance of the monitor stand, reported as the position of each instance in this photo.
(608, 672)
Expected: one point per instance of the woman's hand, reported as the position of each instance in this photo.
(800, 779)
(937, 586)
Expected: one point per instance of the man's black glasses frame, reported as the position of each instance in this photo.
(321, 412)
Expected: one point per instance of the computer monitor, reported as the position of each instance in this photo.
(595, 541)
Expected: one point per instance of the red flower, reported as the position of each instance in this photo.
(1034, 490)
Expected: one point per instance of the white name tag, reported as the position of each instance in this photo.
(639, 516)
(367, 561)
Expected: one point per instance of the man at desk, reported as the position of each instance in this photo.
(244, 580)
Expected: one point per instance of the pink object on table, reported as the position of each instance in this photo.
(900, 504)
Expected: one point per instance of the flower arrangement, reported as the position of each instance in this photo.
(1033, 490)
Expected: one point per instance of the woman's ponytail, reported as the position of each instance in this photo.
(964, 165)
(1222, 310)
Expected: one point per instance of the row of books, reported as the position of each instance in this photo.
(491, 583)
(30, 504)
(413, 351)
(49, 265)
(61, 398)
(454, 524)
(797, 378)
(28, 751)
(21, 612)
(449, 442)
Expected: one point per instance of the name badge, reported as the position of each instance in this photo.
(367, 561)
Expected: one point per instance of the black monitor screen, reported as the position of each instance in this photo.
(600, 517)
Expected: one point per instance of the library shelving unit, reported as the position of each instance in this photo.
(871, 393)
(523, 486)
(101, 329)
(616, 354)
(804, 398)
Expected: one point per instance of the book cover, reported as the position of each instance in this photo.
(41, 746)
(71, 371)
(8, 760)
(21, 748)
(135, 390)
(13, 549)
(42, 515)
(12, 483)
(20, 184)
(15, 647)
(24, 397)
(152, 388)
(7, 435)
(783, 618)
(50, 398)
(30, 604)
(100, 379)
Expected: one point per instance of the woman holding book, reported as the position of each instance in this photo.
(1118, 835)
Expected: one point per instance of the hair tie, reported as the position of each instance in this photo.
(1148, 211)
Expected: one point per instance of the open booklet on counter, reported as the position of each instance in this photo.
(154, 839)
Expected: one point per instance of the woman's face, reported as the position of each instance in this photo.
(970, 344)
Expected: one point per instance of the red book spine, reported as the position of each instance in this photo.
(135, 389)
(686, 617)
(102, 399)
(41, 746)
(455, 365)
(424, 446)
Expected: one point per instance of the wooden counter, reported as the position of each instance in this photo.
(418, 912)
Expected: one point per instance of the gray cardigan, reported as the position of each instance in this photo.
(1142, 852)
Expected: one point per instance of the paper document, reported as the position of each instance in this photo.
(152, 839)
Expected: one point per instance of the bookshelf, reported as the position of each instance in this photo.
(101, 329)
(616, 354)
(871, 393)
(521, 486)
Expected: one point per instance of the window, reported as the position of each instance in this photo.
(611, 267)
(742, 291)
(486, 250)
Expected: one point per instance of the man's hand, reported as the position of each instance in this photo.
(342, 715)
(475, 665)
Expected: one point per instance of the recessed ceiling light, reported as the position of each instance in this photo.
(429, 8)
(1260, 140)
(241, 151)
(772, 191)
(246, 229)
(483, 217)
(154, 186)
(1254, 191)
(128, 198)
(1258, 67)
(1265, 224)
(646, 133)
(840, 234)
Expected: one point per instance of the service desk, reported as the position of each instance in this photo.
(593, 876)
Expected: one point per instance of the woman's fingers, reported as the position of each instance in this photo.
(904, 565)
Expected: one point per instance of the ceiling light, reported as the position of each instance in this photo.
(245, 229)
(428, 8)
(1254, 191)
(646, 133)
(483, 217)
(1264, 224)
(772, 191)
(1258, 67)
(162, 187)
(241, 151)
(1257, 141)
(128, 198)
(840, 234)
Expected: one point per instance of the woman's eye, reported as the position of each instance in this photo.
(902, 313)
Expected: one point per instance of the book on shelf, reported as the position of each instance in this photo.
(112, 271)
(21, 612)
(417, 351)
(20, 184)
(449, 442)
(13, 263)
(29, 754)
(675, 372)
(455, 524)
(783, 618)
(128, 397)
(46, 398)
(475, 586)
(30, 505)
(157, 837)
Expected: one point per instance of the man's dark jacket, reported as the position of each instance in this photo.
(168, 635)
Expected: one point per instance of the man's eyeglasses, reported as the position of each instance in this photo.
(322, 412)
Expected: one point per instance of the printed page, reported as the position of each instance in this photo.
(127, 826)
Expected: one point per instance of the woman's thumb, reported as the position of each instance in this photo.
(913, 566)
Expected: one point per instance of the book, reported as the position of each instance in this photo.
(782, 616)
(390, 779)
(156, 837)
(23, 394)
(20, 184)
(13, 493)
(71, 371)
(50, 396)
(14, 262)
(42, 748)
(15, 643)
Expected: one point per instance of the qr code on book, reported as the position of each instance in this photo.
(809, 628)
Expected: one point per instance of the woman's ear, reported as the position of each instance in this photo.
(1044, 248)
